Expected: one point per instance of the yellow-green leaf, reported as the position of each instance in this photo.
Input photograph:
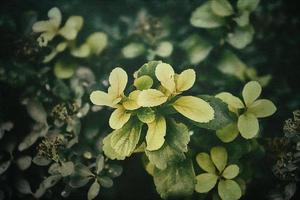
(125, 140)
(165, 74)
(133, 50)
(233, 102)
(222, 8)
(109, 151)
(54, 21)
(248, 5)
(248, 125)
(118, 80)
(219, 157)
(228, 133)
(64, 70)
(143, 82)
(185, 80)
(155, 137)
(100, 98)
(231, 171)
(97, 42)
(82, 51)
(118, 118)
(146, 115)
(204, 17)
(194, 108)
(204, 161)
(131, 101)
(205, 182)
(71, 27)
(229, 190)
(151, 98)
(262, 108)
(164, 49)
(251, 92)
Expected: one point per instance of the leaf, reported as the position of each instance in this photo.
(206, 182)
(118, 79)
(38, 131)
(251, 92)
(231, 171)
(222, 115)
(197, 48)
(81, 176)
(194, 108)
(173, 149)
(241, 37)
(177, 180)
(131, 102)
(155, 136)
(123, 141)
(204, 17)
(222, 8)
(94, 190)
(262, 108)
(54, 169)
(50, 181)
(101, 98)
(4, 166)
(133, 50)
(106, 181)
(248, 125)
(83, 170)
(24, 162)
(118, 118)
(204, 161)
(66, 168)
(219, 157)
(82, 51)
(229, 190)
(230, 64)
(148, 69)
(109, 151)
(228, 133)
(234, 103)
(71, 27)
(248, 5)
(164, 49)
(99, 163)
(41, 161)
(36, 111)
(97, 42)
(165, 74)
(78, 181)
(64, 70)
(143, 82)
(151, 98)
(243, 18)
(146, 115)
(54, 15)
(23, 186)
(185, 80)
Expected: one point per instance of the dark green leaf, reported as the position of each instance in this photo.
(175, 145)
(222, 114)
(148, 69)
(36, 111)
(94, 190)
(177, 180)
